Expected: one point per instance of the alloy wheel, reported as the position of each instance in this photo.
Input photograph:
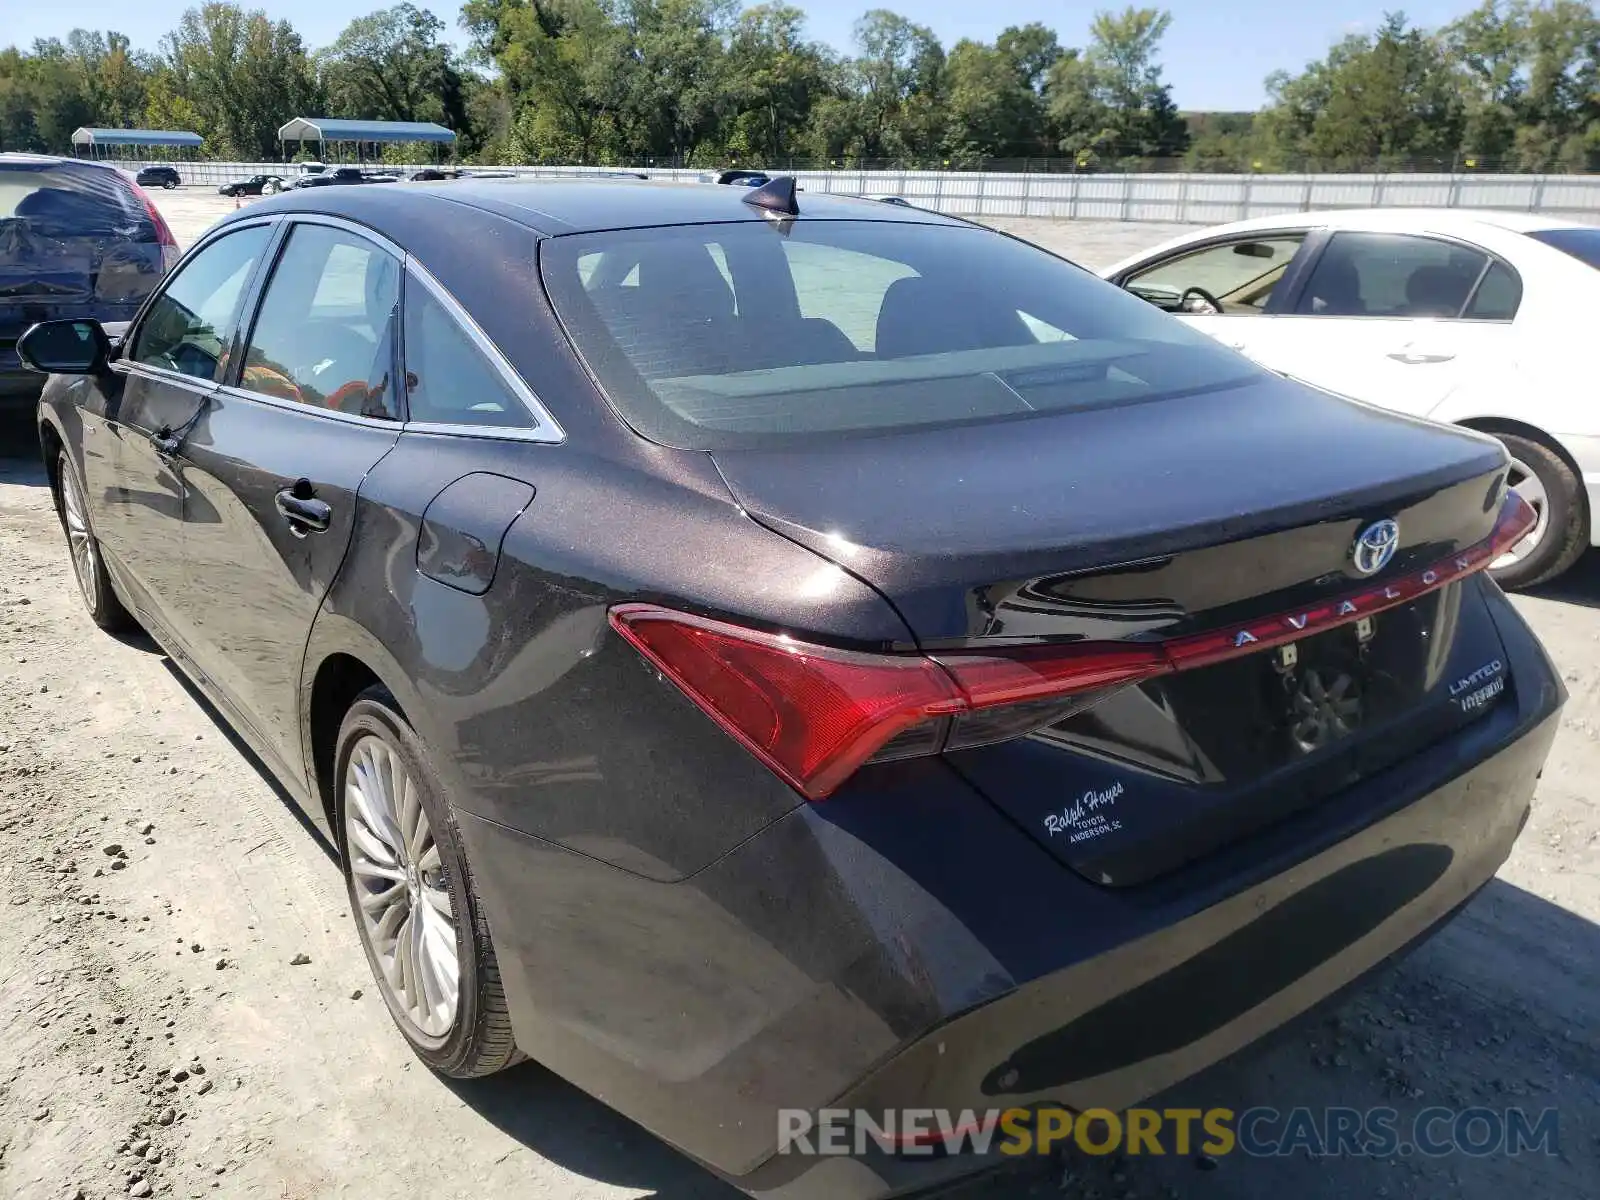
(1528, 485)
(79, 540)
(403, 895)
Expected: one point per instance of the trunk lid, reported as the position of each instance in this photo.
(1175, 519)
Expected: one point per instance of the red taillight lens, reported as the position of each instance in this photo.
(163, 231)
(814, 714)
(811, 713)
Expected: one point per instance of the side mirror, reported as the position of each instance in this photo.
(65, 347)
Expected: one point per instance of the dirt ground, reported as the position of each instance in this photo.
(156, 889)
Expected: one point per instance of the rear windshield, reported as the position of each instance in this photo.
(1582, 244)
(75, 201)
(71, 235)
(751, 334)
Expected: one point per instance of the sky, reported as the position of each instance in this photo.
(1215, 55)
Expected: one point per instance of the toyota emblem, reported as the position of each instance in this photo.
(1375, 546)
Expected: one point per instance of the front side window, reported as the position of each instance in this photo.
(448, 379)
(751, 334)
(191, 322)
(1390, 275)
(324, 333)
(1235, 277)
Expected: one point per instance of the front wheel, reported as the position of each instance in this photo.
(170, 184)
(1561, 532)
(412, 895)
(88, 568)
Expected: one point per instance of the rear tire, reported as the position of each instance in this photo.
(412, 896)
(88, 565)
(170, 184)
(1562, 532)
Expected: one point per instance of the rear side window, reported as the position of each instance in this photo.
(1390, 275)
(1582, 244)
(324, 333)
(1498, 295)
(190, 324)
(752, 334)
(448, 379)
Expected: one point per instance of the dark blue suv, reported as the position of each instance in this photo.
(77, 239)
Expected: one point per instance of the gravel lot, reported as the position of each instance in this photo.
(157, 887)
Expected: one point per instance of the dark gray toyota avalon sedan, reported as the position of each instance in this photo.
(758, 652)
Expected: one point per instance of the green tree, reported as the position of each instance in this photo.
(896, 82)
(244, 74)
(1380, 101)
(990, 109)
(390, 66)
(1033, 49)
(776, 77)
(1110, 102)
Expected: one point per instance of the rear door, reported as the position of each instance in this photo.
(161, 383)
(275, 460)
(1399, 320)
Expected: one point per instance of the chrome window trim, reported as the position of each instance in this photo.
(546, 429)
(161, 375)
(310, 410)
(503, 433)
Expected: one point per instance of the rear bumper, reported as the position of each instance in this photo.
(908, 948)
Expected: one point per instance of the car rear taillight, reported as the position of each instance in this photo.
(815, 714)
(163, 230)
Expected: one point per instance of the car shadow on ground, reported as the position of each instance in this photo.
(1579, 585)
(19, 447)
(227, 731)
(568, 1127)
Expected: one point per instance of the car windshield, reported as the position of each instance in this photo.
(1582, 244)
(744, 334)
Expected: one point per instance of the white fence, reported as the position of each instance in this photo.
(1196, 198)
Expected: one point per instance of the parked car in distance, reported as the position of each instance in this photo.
(256, 185)
(1473, 318)
(755, 654)
(77, 239)
(158, 176)
(435, 174)
(737, 177)
(340, 176)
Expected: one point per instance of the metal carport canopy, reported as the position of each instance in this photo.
(331, 129)
(89, 136)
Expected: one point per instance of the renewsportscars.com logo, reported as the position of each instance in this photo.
(1259, 1132)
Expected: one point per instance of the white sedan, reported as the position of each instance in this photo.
(1481, 319)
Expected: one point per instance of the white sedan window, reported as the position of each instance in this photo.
(1391, 275)
(1239, 274)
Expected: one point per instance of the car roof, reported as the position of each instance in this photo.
(21, 159)
(1438, 220)
(552, 207)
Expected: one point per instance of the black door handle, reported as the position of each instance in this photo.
(304, 512)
